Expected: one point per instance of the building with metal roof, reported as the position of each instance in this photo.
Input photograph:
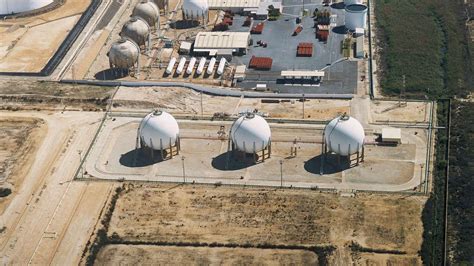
(212, 42)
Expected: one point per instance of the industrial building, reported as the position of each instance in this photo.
(216, 43)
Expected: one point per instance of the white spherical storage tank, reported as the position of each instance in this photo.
(158, 130)
(147, 11)
(356, 16)
(136, 29)
(344, 135)
(195, 9)
(351, 2)
(250, 133)
(8, 7)
(123, 54)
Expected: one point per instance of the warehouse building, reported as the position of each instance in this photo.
(221, 43)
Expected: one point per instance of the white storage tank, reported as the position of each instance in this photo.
(351, 2)
(210, 67)
(191, 64)
(180, 67)
(220, 68)
(147, 11)
(201, 65)
(158, 130)
(344, 135)
(250, 133)
(123, 54)
(9, 7)
(356, 16)
(171, 64)
(136, 29)
(195, 9)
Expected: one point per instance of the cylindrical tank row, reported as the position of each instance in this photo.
(356, 16)
(171, 64)
(180, 67)
(210, 67)
(200, 68)
(220, 68)
(190, 68)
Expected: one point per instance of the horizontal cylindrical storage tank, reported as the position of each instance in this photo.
(210, 67)
(123, 54)
(344, 135)
(171, 64)
(352, 2)
(201, 65)
(250, 133)
(8, 7)
(180, 67)
(220, 68)
(136, 29)
(147, 11)
(158, 130)
(356, 16)
(191, 64)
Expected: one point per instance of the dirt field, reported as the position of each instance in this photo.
(204, 214)
(148, 255)
(26, 44)
(19, 141)
(187, 101)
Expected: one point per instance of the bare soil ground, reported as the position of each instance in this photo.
(19, 141)
(19, 95)
(148, 255)
(187, 101)
(243, 216)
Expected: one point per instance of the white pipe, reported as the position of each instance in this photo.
(220, 68)
(210, 67)
(180, 68)
(191, 66)
(200, 68)
(171, 64)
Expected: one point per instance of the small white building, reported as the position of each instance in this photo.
(185, 47)
(393, 135)
(211, 43)
(359, 47)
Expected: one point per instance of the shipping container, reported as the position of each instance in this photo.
(261, 63)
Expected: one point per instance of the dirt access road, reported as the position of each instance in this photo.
(50, 218)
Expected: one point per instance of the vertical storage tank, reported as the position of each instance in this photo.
(191, 64)
(124, 54)
(220, 68)
(195, 9)
(158, 130)
(200, 68)
(352, 2)
(148, 11)
(8, 7)
(171, 64)
(344, 135)
(136, 29)
(356, 16)
(210, 67)
(250, 133)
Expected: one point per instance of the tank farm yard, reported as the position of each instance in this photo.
(197, 132)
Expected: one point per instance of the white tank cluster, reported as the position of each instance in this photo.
(158, 130)
(250, 133)
(148, 11)
(124, 54)
(8, 7)
(195, 10)
(136, 29)
(356, 16)
(344, 135)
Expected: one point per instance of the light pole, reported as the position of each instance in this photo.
(303, 105)
(421, 177)
(281, 173)
(201, 106)
(80, 163)
(184, 172)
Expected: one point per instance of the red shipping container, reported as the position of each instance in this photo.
(258, 29)
(305, 49)
(261, 63)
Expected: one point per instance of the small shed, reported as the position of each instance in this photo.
(185, 48)
(392, 135)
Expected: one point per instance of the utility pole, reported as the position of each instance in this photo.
(303, 105)
(281, 173)
(184, 172)
(201, 107)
